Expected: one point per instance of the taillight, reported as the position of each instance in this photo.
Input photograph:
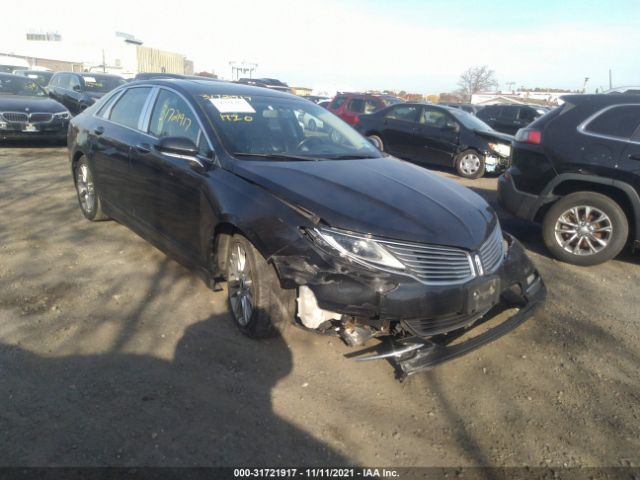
(356, 119)
(529, 135)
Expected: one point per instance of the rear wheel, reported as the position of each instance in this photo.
(377, 141)
(259, 306)
(88, 198)
(470, 164)
(585, 228)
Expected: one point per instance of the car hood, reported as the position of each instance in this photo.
(19, 103)
(492, 134)
(384, 197)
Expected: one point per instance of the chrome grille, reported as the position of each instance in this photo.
(15, 116)
(40, 117)
(492, 251)
(431, 263)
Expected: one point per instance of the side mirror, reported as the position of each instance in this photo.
(181, 147)
(177, 146)
(77, 88)
(452, 127)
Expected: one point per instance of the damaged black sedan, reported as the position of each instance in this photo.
(318, 228)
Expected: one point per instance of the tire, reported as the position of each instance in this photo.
(270, 308)
(88, 198)
(470, 164)
(377, 141)
(594, 241)
(311, 125)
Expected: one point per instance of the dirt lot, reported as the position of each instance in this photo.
(113, 354)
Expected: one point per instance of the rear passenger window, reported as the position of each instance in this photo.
(527, 115)
(370, 106)
(408, 113)
(356, 105)
(127, 111)
(618, 122)
(172, 117)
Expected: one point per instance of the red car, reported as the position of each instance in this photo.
(348, 106)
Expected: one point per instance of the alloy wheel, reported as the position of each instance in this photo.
(583, 230)
(240, 285)
(86, 190)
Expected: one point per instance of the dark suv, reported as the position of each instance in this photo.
(348, 106)
(77, 91)
(510, 118)
(577, 170)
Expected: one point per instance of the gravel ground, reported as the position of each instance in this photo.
(113, 354)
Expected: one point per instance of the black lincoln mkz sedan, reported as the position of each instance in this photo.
(26, 112)
(316, 228)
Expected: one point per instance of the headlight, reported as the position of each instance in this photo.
(62, 115)
(359, 248)
(501, 149)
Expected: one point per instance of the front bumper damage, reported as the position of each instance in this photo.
(494, 163)
(423, 321)
(415, 354)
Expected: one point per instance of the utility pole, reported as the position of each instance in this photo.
(610, 80)
(584, 85)
(104, 65)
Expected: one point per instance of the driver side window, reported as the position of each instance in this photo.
(172, 117)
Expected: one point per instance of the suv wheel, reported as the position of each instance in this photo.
(257, 303)
(470, 164)
(88, 198)
(585, 228)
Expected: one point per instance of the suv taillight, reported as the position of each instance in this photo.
(529, 135)
(356, 119)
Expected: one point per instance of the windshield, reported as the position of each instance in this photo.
(20, 86)
(42, 78)
(101, 84)
(470, 121)
(283, 128)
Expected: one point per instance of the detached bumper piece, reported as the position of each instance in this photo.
(415, 354)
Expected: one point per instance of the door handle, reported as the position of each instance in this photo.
(143, 148)
(634, 156)
(99, 131)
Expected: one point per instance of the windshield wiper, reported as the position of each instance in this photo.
(348, 157)
(277, 156)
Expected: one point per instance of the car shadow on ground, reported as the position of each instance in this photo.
(208, 406)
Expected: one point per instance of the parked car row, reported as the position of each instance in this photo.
(26, 111)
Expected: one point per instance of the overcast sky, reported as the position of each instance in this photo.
(418, 46)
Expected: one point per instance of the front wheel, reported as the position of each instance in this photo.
(88, 198)
(259, 306)
(585, 228)
(470, 164)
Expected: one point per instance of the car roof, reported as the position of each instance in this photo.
(91, 74)
(600, 99)
(199, 87)
(11, 75)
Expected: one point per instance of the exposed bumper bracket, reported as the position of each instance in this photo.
(415, 354)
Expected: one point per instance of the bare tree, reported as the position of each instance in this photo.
(476, 79)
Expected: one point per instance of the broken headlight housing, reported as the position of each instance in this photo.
(359, 248)
(501, 149)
